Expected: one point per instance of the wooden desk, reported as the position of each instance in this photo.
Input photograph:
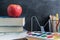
(30, 38)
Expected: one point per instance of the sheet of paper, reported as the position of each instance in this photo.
(11, 36)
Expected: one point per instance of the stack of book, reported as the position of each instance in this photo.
(12, 24)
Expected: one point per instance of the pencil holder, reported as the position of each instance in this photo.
(54, 25)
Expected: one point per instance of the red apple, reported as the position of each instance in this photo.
(14, 10)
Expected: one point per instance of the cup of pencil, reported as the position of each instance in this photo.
(54, 23)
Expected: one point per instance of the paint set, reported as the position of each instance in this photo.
(44, 36)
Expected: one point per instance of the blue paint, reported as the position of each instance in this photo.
(35, 34)
(48, 33)
(38, 34)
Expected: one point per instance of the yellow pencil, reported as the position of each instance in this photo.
(56, 34)
(57, 20)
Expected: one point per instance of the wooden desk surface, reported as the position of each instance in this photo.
(30, 38)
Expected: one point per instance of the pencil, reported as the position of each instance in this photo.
(57, 21)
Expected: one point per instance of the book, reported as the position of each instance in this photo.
(12, 24)
(11, 29)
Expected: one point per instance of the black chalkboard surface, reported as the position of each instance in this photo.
(40, 8)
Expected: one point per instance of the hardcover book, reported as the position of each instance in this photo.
(12, 24)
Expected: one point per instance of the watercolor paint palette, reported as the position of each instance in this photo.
(44, 36)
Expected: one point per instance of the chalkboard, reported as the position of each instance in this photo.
(39, 8)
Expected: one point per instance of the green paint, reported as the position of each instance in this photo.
(44, 35)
